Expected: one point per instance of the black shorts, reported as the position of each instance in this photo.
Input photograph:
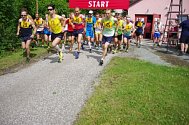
(54, 36)
(184, 39)
(77, 32)
(25, 38)
(119, 37)
(70, 33)
(138, 33)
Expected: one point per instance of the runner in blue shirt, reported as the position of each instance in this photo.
(89, 26)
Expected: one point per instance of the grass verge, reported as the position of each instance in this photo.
(137, 92)
(15, 59)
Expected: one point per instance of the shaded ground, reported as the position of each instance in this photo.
(172, 59)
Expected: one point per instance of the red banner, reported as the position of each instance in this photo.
(99, 4)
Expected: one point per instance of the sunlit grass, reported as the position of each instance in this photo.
(137, 92)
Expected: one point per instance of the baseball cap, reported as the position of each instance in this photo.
(91, 12)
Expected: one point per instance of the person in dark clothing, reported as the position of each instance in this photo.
(184, 39)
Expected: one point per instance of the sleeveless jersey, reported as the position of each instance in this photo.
(120, 26)
(25, 27)
(139, 25)
(39, 24)
(98, 25)
(90, 22)
(109, 28)
(55, 24)
(68, 22)
(78, 22)
(128, 28)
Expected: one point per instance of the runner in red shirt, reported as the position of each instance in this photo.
(70, 30)
(78, 22)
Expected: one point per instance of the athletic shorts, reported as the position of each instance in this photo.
(46, 32)
(54, 36)
(39, 32)
(70, 33)
(138, 33)
(98, 32)
(126, 36)
(119, 37)
(90, 33)
(77, 32)
(157, 35)
(25, 38)
(184, 39)
(107, 39)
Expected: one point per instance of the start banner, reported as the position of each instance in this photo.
(99, 4)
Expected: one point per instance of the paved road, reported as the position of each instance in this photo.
(48, 93)
(51, 93)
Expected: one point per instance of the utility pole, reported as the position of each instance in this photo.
(37, 6)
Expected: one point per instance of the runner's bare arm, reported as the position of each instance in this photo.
(133, 29)
(18, 29)
(102, 23)
(34, 30)
(64, 24)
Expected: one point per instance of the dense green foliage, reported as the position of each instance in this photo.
(10, 13)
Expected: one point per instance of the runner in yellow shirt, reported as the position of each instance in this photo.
(39, 23)
(118, 33)
(55, 23)
(24, 30)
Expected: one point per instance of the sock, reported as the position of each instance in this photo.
(89, 43)
(58, 48)
(63, 47)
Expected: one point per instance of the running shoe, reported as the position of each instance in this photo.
(82, 46)
(48, 49)
(181, 53)
(60, 56)
(27, 59)
(114, 51)
(76, 55)
(155, 45)
(139, 45)
(101, 62)
(90, 50)
(124, 46)
(24, 53)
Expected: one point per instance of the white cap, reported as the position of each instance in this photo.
(91, 12)
(63, 15)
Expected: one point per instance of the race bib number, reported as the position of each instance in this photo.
(98, 23)
(89, 20)
(54, 24)
(128, 27)
(77, 20)
(38, 22)
(139, 24)
(69, 21)
(108, 24)
(120, 24)
(25, 24)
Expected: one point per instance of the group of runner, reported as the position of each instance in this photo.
(104, 31)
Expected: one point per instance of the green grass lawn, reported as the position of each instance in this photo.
(137, 92)
(16, 58)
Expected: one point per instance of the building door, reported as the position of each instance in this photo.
(148, 27)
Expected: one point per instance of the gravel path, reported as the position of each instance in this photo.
(48, 93)
(51, 93)
(144, 53)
